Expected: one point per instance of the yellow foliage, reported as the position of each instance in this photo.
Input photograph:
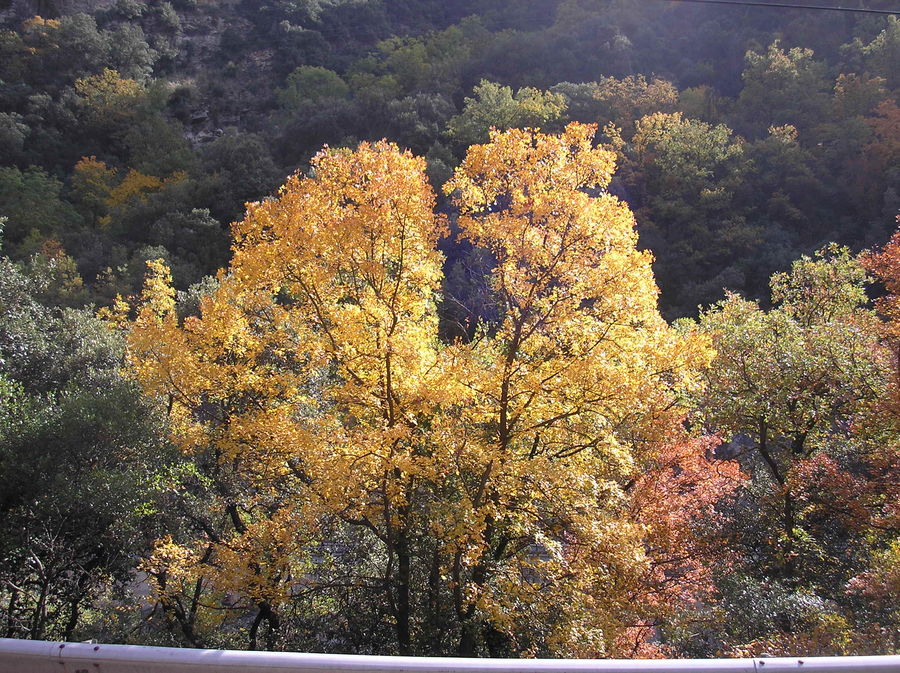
(91, 170)
(92, 183)
(40, 25)
(36, 22)
(135, 185)
(576, 381)
(108, 98)
(116, 316)
(315, 374)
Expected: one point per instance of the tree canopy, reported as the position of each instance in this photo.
(497, 467)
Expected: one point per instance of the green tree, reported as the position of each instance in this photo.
(796, 391)
(419, 121)
(196, 241)
(13, 132)
(879, 57)
(158, 147)
(55, 52)
(309, 86)
(242, 170)
(495, 106)
(782, 87)
(31, 201)
(787, 187)
(683, 176)
(77, 447)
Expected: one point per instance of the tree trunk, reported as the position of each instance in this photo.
(403, 607)
(10, 626)
(40, 613)
(265, 614)
(72, 622)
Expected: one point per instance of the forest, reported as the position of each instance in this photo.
(510, 328)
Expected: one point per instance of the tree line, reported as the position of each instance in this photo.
(294, 457)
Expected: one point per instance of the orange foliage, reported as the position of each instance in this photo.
(674, 500)
(858, 501)
(671, 499)
(886, 267)
(886, 125)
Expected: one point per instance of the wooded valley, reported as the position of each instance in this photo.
(499, 328)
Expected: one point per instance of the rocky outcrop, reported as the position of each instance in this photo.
(11, 10)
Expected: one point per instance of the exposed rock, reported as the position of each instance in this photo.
(738, 445)
(20, 9)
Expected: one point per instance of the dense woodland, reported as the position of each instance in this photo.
(422, 395)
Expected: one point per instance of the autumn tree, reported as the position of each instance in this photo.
(618, 101)
(880, 581)
(792, 374)
(108, 100)
(568, 392)
(333, 356)
(795, 391)
(677, 498)
(460, 493)
(875, 179)
(92, 184)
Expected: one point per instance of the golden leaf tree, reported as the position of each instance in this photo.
(462, 497)
(567, 394)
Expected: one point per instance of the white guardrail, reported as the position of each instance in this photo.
(34, 656)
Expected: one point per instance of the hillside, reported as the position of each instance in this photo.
(265, 85)
(498, 327)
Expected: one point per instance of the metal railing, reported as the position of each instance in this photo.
(32, 656)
